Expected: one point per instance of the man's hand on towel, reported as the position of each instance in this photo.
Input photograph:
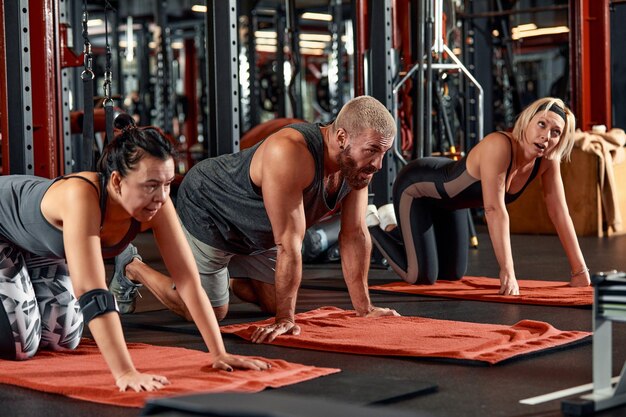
(228, 362)
(508, 285)
(140, 382)
(269, 333)
(380, 312)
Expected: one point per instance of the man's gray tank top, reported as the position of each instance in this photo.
(220, 206)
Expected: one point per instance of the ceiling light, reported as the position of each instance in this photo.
(266, 48)
(312, 44)
(95, 22)
(310, 51)
(539, 32)
(199, 8)
(320, 37)
(266, 41)
(265, 34)
(317, 16)
(521, 28)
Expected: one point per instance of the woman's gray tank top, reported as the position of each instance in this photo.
(21, 220)
(23, 224)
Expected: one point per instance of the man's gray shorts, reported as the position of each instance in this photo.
(216, 267)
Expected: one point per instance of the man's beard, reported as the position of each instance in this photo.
(349, 170)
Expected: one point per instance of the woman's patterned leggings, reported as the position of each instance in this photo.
(37, 305)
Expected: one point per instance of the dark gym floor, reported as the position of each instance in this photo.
(463, 390)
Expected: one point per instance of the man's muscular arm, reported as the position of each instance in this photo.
(355, 246)
(286, 168)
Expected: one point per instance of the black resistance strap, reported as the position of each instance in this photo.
(108, 101)
(84, 153)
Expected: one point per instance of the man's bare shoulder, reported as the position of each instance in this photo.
(284, 156)
(287, 143)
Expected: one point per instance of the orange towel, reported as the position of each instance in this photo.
(549, 293)
(336, 330)
(82, 374)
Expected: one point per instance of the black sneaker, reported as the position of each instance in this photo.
(124, 290)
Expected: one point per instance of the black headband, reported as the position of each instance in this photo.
(554, 109)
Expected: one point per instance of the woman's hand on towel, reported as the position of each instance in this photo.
(228, 362)
(140, 382)
(582, 280)
(269, 333)
(508, 285)
(380, 312)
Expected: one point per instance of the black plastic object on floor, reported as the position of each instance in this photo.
(319, 238)
(264, 404)
(367, 390)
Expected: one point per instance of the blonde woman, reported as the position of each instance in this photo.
(432, 195)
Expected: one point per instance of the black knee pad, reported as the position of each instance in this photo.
(95, 303)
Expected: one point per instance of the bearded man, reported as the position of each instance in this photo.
(245, 215)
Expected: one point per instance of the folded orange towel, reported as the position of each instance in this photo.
(82, 374)
(549, 293)
(336, 330)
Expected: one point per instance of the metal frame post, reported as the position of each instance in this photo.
(247, 52)
(252, 70)
(469, 106)
(223, 85)
(146, 88)
(294, 89)
(419, 115)
(618, 65)
(18, 135)
(190, 128)
(4, 118)
(428, 81)
(46, 86)
(381, 69)
(360, 17)
(482, 56)
(335, 62)
(65, 20)
(164, 96)
(117, 55)
(280, 24)
(590, 62)
(204, 100)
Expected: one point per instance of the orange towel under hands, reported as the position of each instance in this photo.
(549, 293)
(82, 374)
(336, 330)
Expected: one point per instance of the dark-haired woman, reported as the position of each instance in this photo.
(54, 235)
(431, 196)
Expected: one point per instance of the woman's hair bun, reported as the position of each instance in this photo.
(124, 121)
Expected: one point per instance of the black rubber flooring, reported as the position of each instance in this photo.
(462, 390)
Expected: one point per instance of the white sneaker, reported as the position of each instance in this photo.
(387, 217)
(371, 216)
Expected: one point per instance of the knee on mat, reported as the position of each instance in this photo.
(62, 326)
(20, 335)
(422, 278)
(456, 277)
(426, 280)
(452, 275)
(63, 338)
(220, 312)
(26, 349)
